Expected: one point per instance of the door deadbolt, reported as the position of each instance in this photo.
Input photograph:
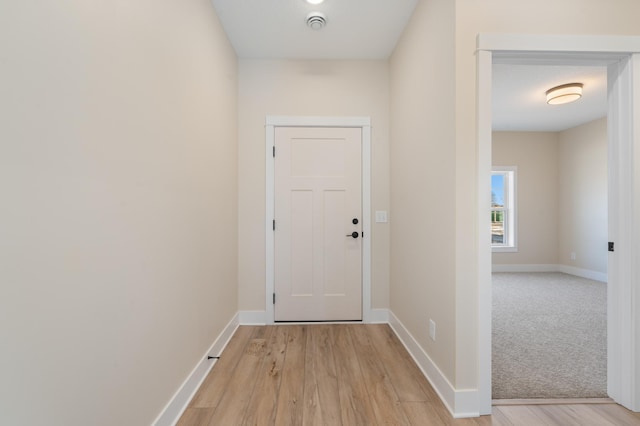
(355, 221)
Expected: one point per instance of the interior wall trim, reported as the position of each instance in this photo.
(171, 413)
(621, 55)
(377, 316)
(571, 270)
(461, 403)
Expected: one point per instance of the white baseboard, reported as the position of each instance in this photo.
(253, 317)
(461, 403)
(180, 400)
(571, 270)
(525, 268)
(584, 273)
(379, 316)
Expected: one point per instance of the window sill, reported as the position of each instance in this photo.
(504, 249)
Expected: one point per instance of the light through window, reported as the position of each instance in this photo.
(503, 215)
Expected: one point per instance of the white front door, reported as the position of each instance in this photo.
(318, 224)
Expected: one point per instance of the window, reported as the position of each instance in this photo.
(503, 209)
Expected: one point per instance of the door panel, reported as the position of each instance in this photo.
(301, 243)
(318, 268)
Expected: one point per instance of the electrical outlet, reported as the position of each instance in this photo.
(573, 256)
(432, 329)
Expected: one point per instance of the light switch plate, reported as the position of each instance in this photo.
(381, 217)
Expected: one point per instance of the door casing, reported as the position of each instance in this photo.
(364, 123)
(622, 56)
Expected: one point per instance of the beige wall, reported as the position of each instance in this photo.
(504, 16)
(583, 196)
(536, 156)
(423, 179)
(118, 173)
(562, 195)
(118, 219)
(438, 46)
(306, 88)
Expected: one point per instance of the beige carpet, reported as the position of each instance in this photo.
(549, 336)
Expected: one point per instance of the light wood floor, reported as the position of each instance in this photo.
(346, 375)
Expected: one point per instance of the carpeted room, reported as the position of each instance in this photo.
(550, 293)
(549, 336)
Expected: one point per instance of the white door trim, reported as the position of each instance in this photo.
(623, 307)
(622, 55)
(364, 123)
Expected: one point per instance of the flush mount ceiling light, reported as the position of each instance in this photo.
(314, 1)
(316, 21)
(564, 94)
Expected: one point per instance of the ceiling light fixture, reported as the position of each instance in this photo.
(564, 94)
(316, 21)
(314, 1)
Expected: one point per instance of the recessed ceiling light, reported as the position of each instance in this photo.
(314, 1)
(564, 94)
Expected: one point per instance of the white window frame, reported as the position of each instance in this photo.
(510, 209)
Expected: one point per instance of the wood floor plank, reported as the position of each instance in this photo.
(261, 408)
(384, 400)
(468, 421)
(600, 414)
(321, 397)
(523, 415)
(265, 372)
(498, 418)
(446, 419)
(290, 396)
(400, 369)
(557, 401)
(195, 416)
(236, 397)
(427, 389)
(422, 413)
(575, 414)
(355, 405)
(408, 380)
(621, 414)
(561, 414)
(216, 382)
(487, 420)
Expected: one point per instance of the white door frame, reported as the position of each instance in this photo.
(622, 56)
(312, 121)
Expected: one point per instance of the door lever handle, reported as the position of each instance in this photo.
(354, 234)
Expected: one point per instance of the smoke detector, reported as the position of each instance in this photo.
(316, 21)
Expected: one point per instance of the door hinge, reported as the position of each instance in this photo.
(274, 298)
(610, 245)
(274, 152)
(274, 224)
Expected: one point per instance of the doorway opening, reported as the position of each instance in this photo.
(619, 55)
(549, 233)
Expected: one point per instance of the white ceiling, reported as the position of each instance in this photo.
(519, 99)
(356, 29)
(370, 29)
